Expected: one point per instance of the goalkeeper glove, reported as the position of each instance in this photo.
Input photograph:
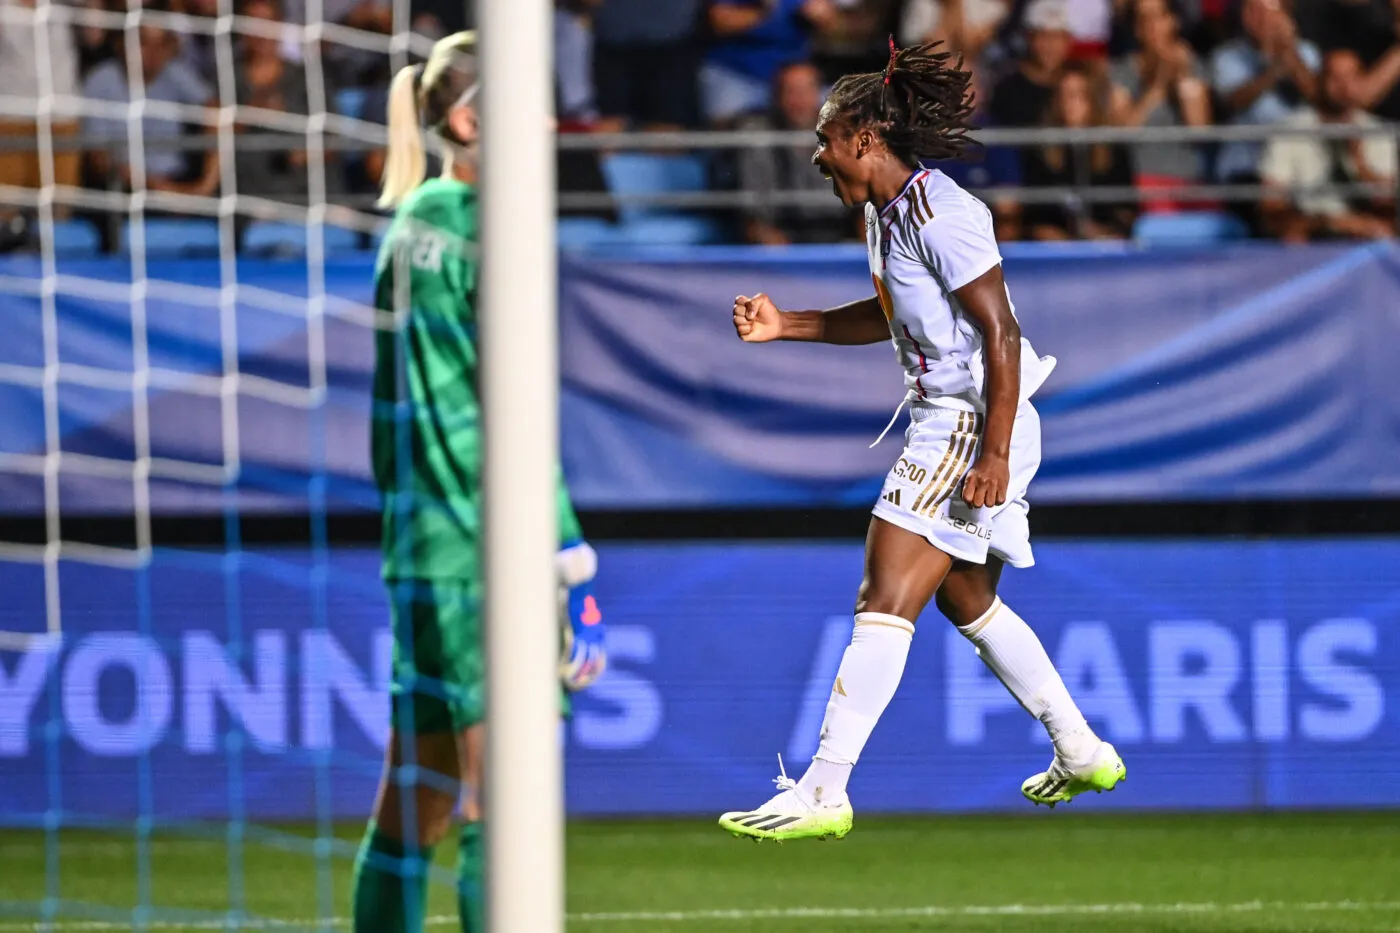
(585, 655)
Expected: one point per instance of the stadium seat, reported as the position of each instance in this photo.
(343, 240)
(76, 238)
(1188, 228)
(350, 102)
(670, 230)
(377, 237)
(646, 173)
(583, 232)
(176, 236)
(271, 238)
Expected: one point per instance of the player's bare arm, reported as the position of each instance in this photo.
(984, 300)
(759, 320)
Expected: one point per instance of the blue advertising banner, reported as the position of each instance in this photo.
(1237, 372)
(1247, 371)
(1229, 674)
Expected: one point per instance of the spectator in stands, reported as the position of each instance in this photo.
(346, 65)
(859, 41)
(1090, 27)
(1161, 85)
(797, 98)
(1022, 97)
(752, 40)
(1209, 24)
(426, 23)
(167, 79)
(968, 26)
(95, 44)
(21, 40)
(263, 79)
(454, 15)
(573, 61)
(371, 166)
(576, 102)
(1371, 28)
(1261, 78)
(1295, 164)
(199, 49)
(646, 56)
(1078, 102)
(365, 15)
(993, 172)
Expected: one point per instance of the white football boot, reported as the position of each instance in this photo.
(1062, 781)
(791, 815)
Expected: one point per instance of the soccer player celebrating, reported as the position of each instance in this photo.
(953, 508)
(427, 464)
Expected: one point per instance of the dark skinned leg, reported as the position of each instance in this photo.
(902, 571)
(433, 805)
(409, 820)
(471, 855)
(969, 590)
(1014, 655)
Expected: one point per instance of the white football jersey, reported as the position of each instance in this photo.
(927, 243)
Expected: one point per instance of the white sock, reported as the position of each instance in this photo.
(1006, 644)
(865, 683)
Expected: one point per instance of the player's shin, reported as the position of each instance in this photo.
(391, 884)
(471, 855)
(870, 672)
(1011, 650)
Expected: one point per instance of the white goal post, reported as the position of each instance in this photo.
(520, 369)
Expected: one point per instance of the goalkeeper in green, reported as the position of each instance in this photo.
(426, 447)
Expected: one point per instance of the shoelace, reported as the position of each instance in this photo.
(782, 780)
(786, 783)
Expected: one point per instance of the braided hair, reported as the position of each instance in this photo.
(920, 105)
(421, 98)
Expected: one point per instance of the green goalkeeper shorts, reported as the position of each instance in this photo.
(439, 667)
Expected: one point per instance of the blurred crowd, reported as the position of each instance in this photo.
(663, 65)
(265, 69)
(660, 64)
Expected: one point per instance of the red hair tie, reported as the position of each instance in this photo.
(889, 69)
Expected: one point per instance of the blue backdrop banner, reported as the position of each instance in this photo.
(1254, 371)
(254, 684)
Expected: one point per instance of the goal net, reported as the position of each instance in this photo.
(192, 683)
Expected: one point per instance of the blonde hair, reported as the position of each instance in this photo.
(420, 99)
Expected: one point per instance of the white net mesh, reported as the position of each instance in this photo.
(155, 361)
(206, 214)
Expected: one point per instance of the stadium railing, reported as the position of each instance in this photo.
(346, 134)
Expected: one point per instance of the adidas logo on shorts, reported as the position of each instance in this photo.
(892, 497)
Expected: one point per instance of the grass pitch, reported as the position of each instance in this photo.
(1043, 872)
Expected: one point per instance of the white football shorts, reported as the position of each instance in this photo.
(923, 491)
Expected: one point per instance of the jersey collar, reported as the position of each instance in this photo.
(909, 183)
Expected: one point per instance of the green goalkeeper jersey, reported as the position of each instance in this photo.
(426, 436)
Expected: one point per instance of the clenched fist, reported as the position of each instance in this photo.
(757, 319)
(987, 482)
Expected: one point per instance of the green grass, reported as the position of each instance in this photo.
(1042, 872)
